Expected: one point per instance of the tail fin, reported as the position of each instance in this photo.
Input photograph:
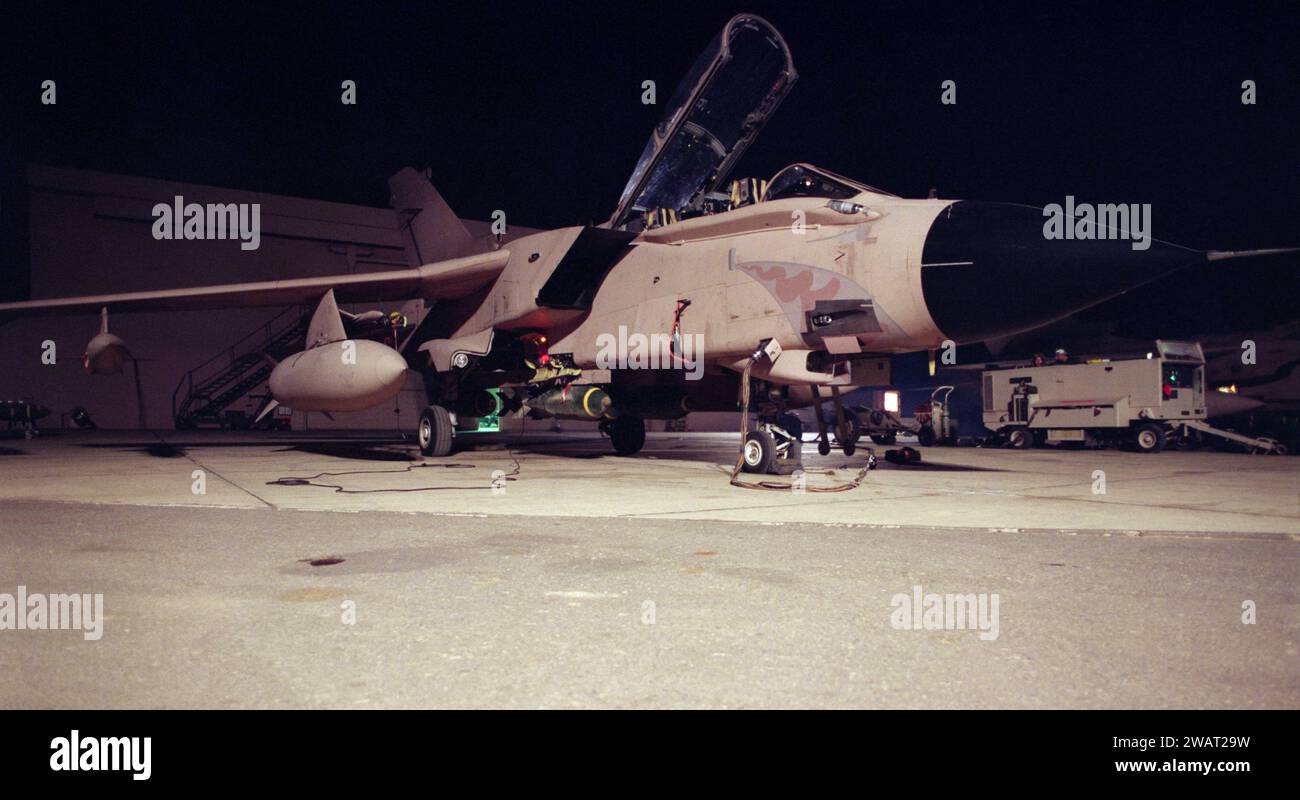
(436, 232)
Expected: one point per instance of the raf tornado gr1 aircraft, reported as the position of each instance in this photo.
(806, 282)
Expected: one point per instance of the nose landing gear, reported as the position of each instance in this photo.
(777, 444)
(774, 447)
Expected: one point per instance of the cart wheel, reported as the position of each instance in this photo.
(759, 453)
(1020, 439)
(847, 434)
(1149, 438)
(853, 424)
(823, 446)
(925, 436)
(885, 438)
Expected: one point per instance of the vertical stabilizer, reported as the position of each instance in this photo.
(435, 232)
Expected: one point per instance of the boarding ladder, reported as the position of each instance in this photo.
(205, 392)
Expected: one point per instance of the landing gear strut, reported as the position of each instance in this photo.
(846, 424)
(823, 437)
(847, 430)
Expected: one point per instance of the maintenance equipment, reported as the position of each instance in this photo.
(934, 423)
(1140, 402)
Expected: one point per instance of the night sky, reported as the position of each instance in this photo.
(536, 109)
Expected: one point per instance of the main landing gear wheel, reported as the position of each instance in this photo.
(435, 432)
(627, 434)
(1149, 438)
(760, 451)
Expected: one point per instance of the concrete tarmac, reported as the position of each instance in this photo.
(677, 476)
(589, 580)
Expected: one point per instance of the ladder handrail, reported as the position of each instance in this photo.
(238, 345)
(268, 332)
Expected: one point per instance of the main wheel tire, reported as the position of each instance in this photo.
(1020, 439)
(1149, 438)
(759, 452)
(885, 438)
(435, 432)
(925, 436)
(627, 435)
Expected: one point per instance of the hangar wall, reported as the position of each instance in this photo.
(91, 232)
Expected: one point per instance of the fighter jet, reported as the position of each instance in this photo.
(796, 288)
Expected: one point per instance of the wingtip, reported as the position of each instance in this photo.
(1225, 255)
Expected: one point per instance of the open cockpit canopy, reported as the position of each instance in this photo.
(715, 113)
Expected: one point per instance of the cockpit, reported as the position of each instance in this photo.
(805, 180)
(796, 180)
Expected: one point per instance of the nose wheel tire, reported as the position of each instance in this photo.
(435, 432)
(627, 435)
(759, 453)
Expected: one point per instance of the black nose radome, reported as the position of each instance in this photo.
(989, 270)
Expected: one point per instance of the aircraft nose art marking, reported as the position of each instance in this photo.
(792, 283)
(818, 302)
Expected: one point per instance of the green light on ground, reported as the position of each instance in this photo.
(490, 424)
